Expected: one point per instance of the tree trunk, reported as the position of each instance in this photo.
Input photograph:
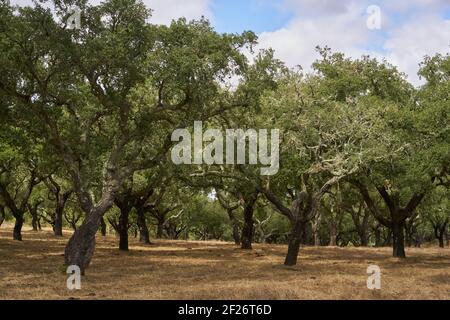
(103, 227)
(398, 239)
(447, 236)
(248, 228)
(160, 229)
(57, 228)
(2, 215)
(315, 230)
(388, 240)
(378, 242)
(441, 240)
(34, 222)
(17, 231)
(123, 229)
(144, 235)
(364, 238)
(81, 245)
(333, 234)
(236, 235)
(295, 238)
(235, 225)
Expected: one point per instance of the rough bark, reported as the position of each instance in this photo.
(81, 245)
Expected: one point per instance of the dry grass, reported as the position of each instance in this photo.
(32, 269)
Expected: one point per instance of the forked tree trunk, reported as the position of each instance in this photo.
(144, 235)
(398, 239)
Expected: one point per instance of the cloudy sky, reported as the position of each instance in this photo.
(404, 32)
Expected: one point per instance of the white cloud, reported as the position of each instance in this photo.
(412, 41)
(164, 10)
(341, 25)
(295, 44)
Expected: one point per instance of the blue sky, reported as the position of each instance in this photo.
(258, 16)
(409, 29)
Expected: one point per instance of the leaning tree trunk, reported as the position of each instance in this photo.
(295, 238)
(398, 239)
(81, 245)
(144, 235)
(17, 231)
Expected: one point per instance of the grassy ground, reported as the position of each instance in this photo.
(33, 269)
